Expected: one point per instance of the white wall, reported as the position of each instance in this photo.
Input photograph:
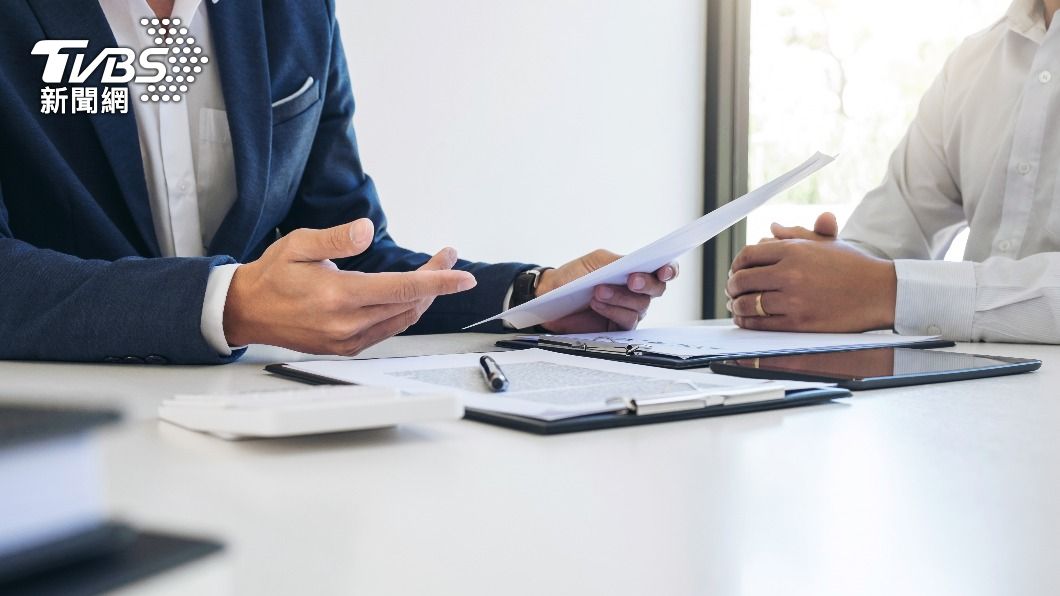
(533, 130)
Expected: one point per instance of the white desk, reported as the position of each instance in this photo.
(946, 489)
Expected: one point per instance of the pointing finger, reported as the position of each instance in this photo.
(443, 260)
(389, 288)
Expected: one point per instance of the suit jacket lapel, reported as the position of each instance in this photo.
(238, 29)
(239, 41)
(84, 19)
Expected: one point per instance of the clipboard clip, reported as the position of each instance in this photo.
(595, 347)
(700, 399)
(665, 404)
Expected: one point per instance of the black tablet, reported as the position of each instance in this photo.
(877, 368)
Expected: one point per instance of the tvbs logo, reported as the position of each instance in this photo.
(164, 71)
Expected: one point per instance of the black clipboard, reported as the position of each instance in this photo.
(641, 355)
(793, 399)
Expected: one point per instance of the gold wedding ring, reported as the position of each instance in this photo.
(758, 306)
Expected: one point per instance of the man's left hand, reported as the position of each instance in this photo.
(613, 307)
(819, 285)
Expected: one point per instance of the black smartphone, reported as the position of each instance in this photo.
(876, 368)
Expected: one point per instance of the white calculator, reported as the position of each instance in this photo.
(306, 410)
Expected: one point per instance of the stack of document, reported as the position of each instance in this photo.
(52, 482)
(550, 386)
(55, 533)
(710, 342)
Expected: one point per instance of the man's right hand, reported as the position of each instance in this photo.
(295, 297)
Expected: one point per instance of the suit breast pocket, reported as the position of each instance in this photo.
(296, 103)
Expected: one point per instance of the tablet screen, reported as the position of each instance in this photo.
(875, 363)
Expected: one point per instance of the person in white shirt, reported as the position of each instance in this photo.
(983, 153)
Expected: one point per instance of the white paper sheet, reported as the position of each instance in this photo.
(694, 341)
(575, 296)
(544, 385)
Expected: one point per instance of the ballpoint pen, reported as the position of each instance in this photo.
(493, 374)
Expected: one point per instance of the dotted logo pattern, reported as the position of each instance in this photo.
(184, 62)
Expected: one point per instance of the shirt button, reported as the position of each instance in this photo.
(934, 330)
(1005, 245)
(1045, 76)
(1024, 168)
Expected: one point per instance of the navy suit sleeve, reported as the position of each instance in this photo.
(335, 190)
(59, 307)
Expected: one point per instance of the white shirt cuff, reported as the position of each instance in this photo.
(935, 298)
(213, 308)
(507, 305)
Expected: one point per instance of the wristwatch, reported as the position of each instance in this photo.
(525, 287)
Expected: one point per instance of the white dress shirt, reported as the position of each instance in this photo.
(984, 153)
(187, 153)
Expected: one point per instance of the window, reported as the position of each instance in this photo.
(843, 76)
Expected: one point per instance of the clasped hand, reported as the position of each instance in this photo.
(803, 280)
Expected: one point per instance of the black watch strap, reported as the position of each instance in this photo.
(525, 287)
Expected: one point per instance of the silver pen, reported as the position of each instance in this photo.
(493, 374)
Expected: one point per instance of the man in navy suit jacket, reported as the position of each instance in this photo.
(85, 276)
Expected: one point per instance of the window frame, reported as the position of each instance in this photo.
(727, 121)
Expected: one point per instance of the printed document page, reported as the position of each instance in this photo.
(576, 295)
(543, 384)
